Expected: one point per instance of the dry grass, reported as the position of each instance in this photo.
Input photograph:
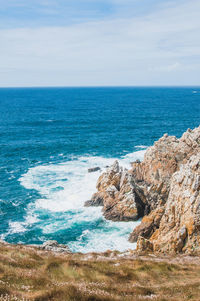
(30, 274)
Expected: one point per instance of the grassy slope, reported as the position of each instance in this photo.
(37, 275)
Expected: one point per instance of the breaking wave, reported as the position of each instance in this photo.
(60, 213)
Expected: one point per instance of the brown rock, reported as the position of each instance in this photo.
(160, 162)
(179, 229)
(96, 200)
(121, 198)
(165, 188)
(144, 245)
(148, 225)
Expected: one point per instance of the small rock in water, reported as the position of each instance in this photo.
(94, 169)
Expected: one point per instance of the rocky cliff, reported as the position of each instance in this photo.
(180, 225)
(163, 189)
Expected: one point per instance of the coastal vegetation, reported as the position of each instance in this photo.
(27, 273)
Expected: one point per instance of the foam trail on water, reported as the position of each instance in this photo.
(68, 185)
(141, 146)
(64, 188)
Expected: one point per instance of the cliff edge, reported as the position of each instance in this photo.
(163, 189)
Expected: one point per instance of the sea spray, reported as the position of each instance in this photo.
(64, 188)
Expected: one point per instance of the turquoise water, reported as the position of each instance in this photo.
(50, 137)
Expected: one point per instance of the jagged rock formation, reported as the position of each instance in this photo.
(180, 225)
(150, 223)
(164, 188)
(118, 194)
(161, 161)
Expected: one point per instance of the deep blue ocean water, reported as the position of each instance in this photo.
(49, 137)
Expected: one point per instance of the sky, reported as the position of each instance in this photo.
(99, 43)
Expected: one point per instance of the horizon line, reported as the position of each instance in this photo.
(103, 86)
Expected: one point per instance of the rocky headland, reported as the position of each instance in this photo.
(163, 190)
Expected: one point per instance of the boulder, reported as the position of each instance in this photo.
(52, 245)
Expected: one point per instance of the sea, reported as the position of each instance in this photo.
(49, 137)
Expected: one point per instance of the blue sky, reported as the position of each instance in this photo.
(99, 42)
(35, 13)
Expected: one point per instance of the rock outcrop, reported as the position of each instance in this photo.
(150, 223)
(118, 194)
(163, 189)
(160, 162)
(180, 225)
(155, 173)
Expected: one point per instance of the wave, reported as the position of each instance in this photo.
(64, 188)
(19, 227)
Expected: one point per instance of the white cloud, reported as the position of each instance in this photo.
(160, 48)
(166, 68)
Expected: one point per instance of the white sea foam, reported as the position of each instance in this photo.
(68, 185)
(19, 227)
(141, 146)
(114, 236)
(2, 236)
(64, 188)
(16, 227)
